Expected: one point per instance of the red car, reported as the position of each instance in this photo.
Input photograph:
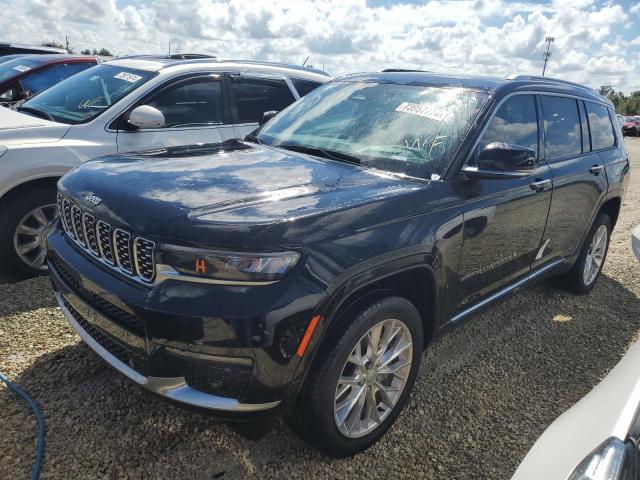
(25, 76)
(631, 126)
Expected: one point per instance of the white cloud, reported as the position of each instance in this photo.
(494, 37)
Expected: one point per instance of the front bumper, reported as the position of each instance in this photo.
(174, 388)
(206, 346)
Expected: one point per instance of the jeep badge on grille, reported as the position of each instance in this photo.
(93, 199)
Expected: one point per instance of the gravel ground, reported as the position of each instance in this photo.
(485, 393)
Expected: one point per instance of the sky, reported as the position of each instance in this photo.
(596, 42)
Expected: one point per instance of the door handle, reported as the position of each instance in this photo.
(539, 185)
(596, 169)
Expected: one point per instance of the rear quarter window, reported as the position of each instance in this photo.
(602, 135)
(304, 86)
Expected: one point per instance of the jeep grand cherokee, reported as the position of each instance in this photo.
(306, 268)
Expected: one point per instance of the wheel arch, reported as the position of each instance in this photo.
(36, 182)
(612, 208)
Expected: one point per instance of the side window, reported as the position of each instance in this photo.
(515, 122)
(602, 135)
(304, 86)
(256, 96)
(563, 137)
(43, 79)
(586, 139)
(196, 103)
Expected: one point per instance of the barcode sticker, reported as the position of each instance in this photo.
(21, 68)
(127, 77)
(426, 111)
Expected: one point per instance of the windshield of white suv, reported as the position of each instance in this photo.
(405, 129)
(15, 67)
(82, 97)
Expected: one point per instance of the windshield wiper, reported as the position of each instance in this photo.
(36, 113)
(321, 152)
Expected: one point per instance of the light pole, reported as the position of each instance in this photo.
(547, 54)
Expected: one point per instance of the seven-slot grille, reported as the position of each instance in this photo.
(115, 246)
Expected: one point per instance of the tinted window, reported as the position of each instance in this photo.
(16, 67)
(10, 94)
(44, 79)
(600, 125)
(254, 97)
(563, 137)
(191, 104)
(304, 86)
(515, 122)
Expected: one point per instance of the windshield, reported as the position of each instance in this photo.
(406, 129)
(82, 97)
(15, 67)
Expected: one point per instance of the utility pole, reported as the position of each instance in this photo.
(169, 47)
(547, 54)
(66, 39)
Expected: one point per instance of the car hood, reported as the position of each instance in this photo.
(241, 186)
(19, 128)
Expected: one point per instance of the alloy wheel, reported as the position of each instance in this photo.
(595, 256)
(373, 378)
(30, 236)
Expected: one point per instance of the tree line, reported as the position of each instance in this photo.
(102, 52)
(624, 104)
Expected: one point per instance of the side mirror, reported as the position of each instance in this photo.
(24, 95)
(266, 116)
(146, 116)
(503, 160)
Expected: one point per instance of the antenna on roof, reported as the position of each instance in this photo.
(547, 54)
(305, 61)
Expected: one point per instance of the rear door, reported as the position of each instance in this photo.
(252, 95)
(504, 218)
(579, 179)
(195, 111)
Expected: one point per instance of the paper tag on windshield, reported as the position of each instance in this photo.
(127, 77)
(21, 68)
(426, 111)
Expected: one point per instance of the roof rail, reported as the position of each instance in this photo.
(400, 70)
(189, 56)
(278, 64)
(536, 78)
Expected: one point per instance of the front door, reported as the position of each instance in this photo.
(504, 218)
(194, 113)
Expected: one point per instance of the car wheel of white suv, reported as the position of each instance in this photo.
(25, 222)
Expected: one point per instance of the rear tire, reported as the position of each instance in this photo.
(19, 210)
(323, 416)
(584, 274)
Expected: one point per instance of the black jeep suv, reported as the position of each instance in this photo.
(307, 267)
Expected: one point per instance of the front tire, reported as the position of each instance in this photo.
(584, 274)
(362, 378)
(25, 220)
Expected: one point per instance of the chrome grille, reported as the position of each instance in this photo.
(104, 240)
(114, 246)
(66, 215)
(143, 255)
(122, 243)
(89, 228)
(76, 219)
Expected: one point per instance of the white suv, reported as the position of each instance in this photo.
(128, 104)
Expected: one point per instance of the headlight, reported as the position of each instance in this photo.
(613, 460)
(230, 266)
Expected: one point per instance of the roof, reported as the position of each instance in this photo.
(55, 57)
(159, 62)
(23, 46)
(491, 85)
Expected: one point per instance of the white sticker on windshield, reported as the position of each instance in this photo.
(21, 68)
(127, 77)
(426, 111)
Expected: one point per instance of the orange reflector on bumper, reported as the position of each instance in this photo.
(307, 335)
